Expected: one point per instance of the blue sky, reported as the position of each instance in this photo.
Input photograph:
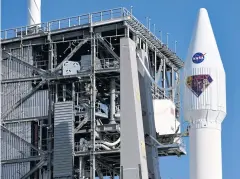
(177, 18)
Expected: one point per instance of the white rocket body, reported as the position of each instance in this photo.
(204, 101)
(34, 12)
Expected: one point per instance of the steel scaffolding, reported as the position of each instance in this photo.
(36, 87)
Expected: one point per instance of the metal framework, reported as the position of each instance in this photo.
(34, 87)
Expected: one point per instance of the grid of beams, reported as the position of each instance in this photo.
(84, 35)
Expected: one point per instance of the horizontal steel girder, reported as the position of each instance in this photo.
(20, 160)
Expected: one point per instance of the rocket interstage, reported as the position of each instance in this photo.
(204, 101)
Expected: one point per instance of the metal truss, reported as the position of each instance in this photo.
(70, 55)
(47, 75)
(110, 49)
(44, 76)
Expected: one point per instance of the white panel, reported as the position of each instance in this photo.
(164, 114)
(71, 68)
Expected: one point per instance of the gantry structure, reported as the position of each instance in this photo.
(77, 98)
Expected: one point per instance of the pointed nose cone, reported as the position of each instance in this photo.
(203, 50)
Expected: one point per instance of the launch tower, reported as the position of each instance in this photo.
(79, 99)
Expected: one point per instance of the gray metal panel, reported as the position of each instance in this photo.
(63, 140)
(12, 148)
(14, 171)
(35, 106)
(12, 69)
(148, 117)
(132, 133)
(11, 93)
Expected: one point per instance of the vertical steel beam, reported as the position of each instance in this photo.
(164, 76)
(50, 110)
(93, 98)
(173, 83)
(155, 71)
(49, 132)
(64, 92)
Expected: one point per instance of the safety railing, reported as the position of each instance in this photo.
(107, 63)
(64, 23)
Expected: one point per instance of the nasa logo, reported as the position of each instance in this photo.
(198, 57)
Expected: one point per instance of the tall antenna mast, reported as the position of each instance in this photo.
(34, 12)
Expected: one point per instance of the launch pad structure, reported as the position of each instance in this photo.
(78, 101)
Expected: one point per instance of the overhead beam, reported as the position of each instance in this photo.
(53, 77)
(70, 55)
(110, 50)
(40, 71)
(21, 160)
(19, 102)
(28, 119)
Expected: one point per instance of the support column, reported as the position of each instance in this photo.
(164, 77)
(173, 83)
(148, 116)
(93, 100)
(112, 101)
(50, 111)
(81, 168)
(133, 152)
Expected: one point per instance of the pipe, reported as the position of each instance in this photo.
(34, 12)
(98, 144)
(81, 168)
(109, 144)
(102, 146)
(112, 101)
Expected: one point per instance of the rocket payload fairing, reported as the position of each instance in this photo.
(204, 101)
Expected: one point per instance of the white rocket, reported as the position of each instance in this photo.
(204, 101)
(34, 12)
